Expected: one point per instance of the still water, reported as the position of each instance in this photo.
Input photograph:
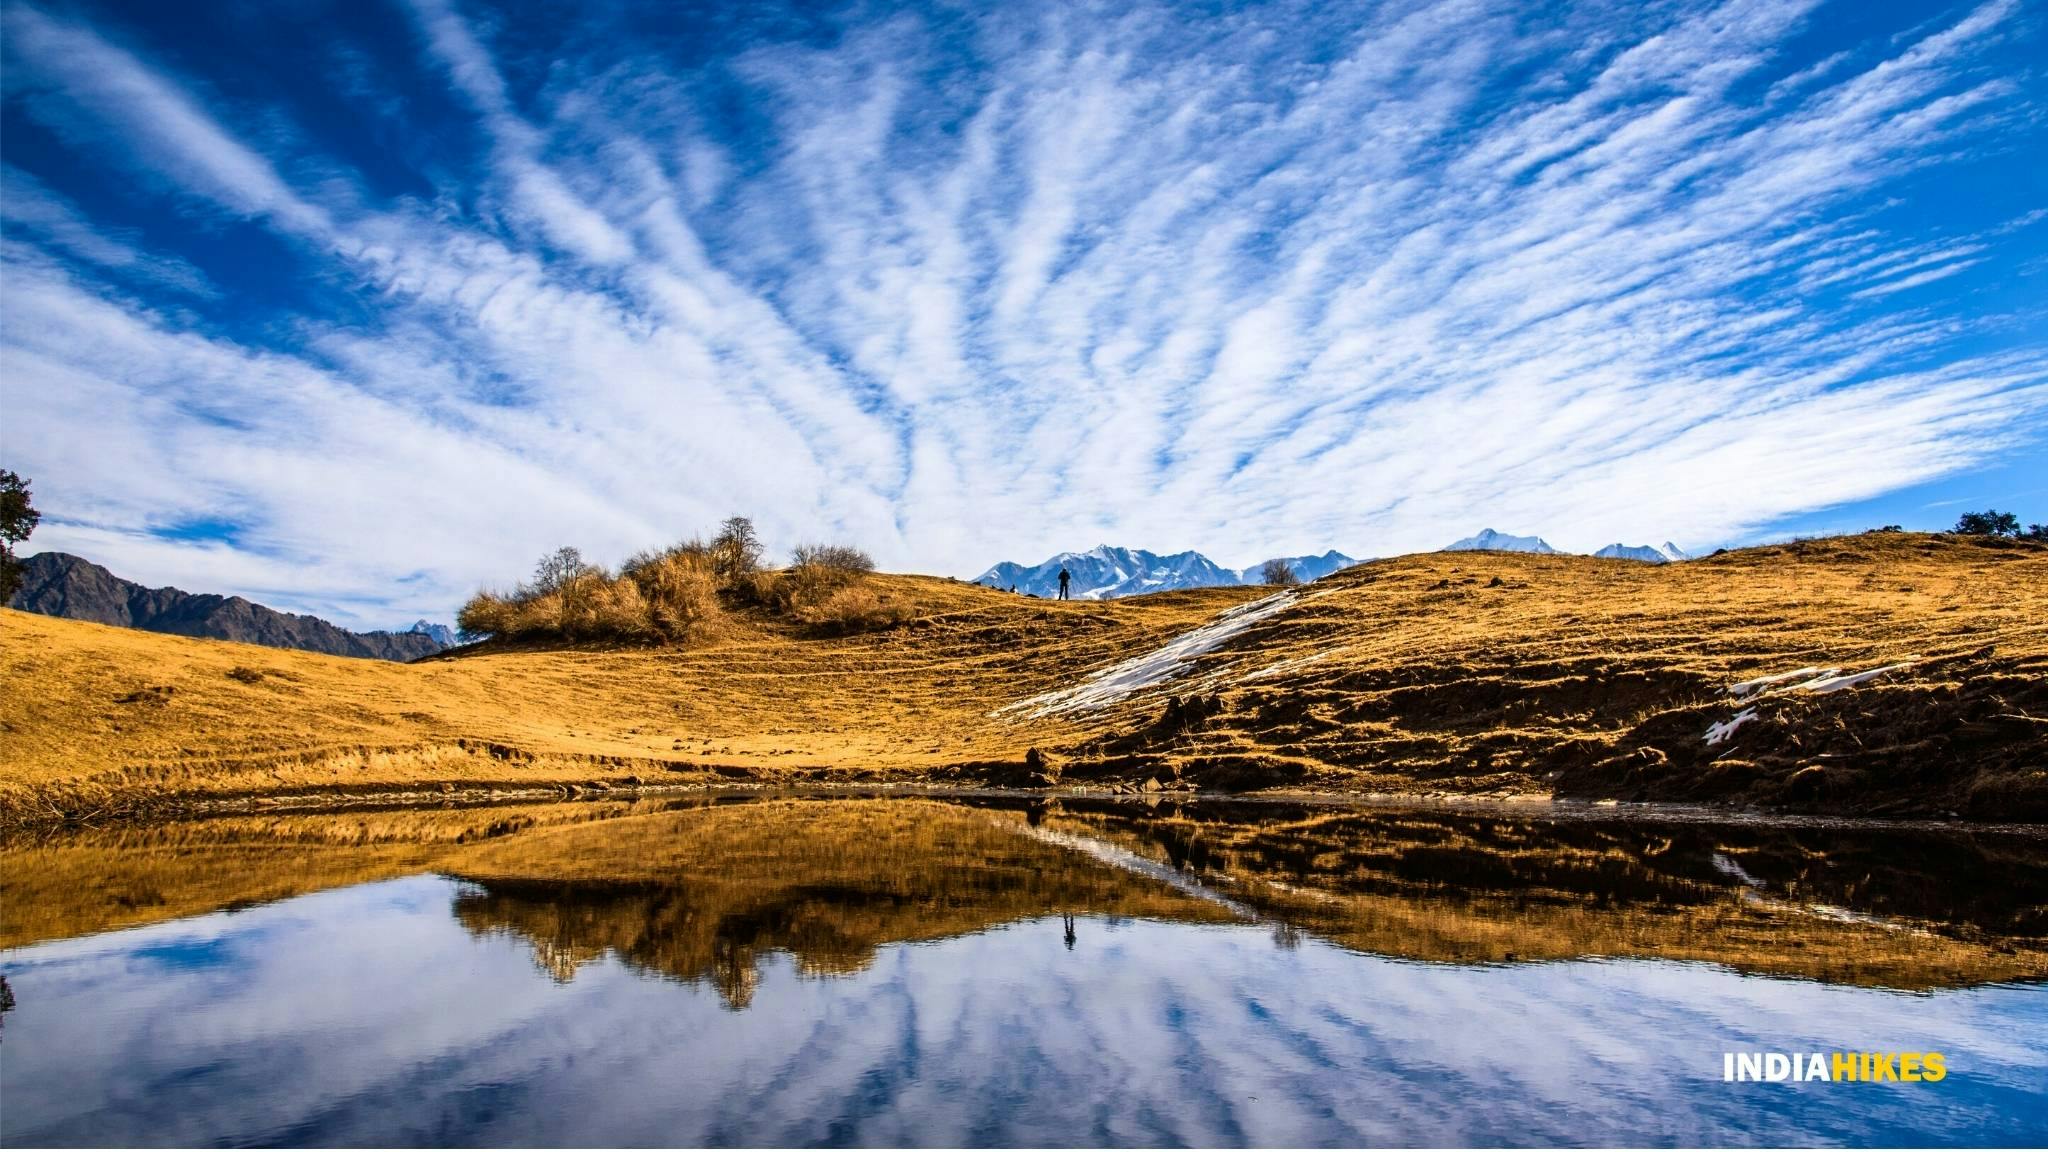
(804, 970)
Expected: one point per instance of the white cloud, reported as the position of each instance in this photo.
(1268, 287)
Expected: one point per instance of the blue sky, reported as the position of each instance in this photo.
(354, 307)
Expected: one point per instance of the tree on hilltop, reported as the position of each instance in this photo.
(1989, 522)
(1278, 574)
(18, 518)
(558, 569)
(736, 550)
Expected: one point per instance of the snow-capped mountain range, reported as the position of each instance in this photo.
(1654, 554)
(1490, 541)
(1306, 568)
(1104, 572)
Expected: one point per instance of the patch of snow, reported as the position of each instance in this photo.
(1728, 867)
(1833, 683)
(1156, 667)
(1755, 892)
(1811, 680)
(1718, 732)
(1288, 665)
(1752, 687)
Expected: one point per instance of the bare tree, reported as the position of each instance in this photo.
(736, 550)
(557, 569)
(1278, 573)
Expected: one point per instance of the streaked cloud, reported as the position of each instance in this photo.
(963, 288)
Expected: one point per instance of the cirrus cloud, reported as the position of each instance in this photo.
(960, 287)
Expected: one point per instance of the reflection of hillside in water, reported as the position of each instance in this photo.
(1891, 906)
(703, 894)
(702, 889)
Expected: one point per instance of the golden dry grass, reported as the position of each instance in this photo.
(85, 728)
(1458, 672)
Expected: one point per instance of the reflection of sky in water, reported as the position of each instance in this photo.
(367, 1015)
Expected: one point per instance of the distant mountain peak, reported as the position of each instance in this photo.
(1648, 553)
(1489, 540)
(441, 634)
(1306, 568)
(60, 584)
(1108, 571)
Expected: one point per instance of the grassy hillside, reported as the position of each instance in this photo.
(1444, 672)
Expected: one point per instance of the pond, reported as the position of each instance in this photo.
(983, 970)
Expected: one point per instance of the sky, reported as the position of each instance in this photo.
(355, 307)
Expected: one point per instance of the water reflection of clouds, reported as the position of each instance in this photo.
(368, 1015)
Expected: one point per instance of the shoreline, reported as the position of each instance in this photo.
(165, 810)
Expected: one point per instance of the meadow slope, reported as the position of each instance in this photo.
(1487, 673)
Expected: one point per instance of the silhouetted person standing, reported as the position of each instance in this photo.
(1065, 577)
(1069, 918)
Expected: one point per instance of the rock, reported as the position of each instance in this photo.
(154, 694)
(1808, 782)
(1039, 770)
(1151, 784)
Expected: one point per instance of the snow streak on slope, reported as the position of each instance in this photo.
(1813, 679)
(1158, 666)
(1837, 683)
(1751, 687)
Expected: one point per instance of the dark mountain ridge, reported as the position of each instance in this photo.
(60, 584)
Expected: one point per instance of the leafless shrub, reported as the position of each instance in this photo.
(677, 594)
(668, 596)
(839, 557)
